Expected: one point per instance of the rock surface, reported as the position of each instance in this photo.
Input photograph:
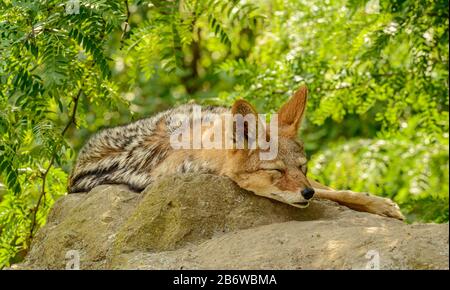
(208, 222)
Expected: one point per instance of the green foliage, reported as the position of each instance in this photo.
(391, 65)
(48, 61)
(377, 115)
(410, 172)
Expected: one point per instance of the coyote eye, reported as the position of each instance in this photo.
(278, 166)
(281, 170)
(275, 170)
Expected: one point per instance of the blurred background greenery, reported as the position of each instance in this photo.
(377, 72)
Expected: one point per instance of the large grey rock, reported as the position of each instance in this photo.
(206, 221)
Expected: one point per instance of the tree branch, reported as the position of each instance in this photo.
(126, 25)
(41, 198)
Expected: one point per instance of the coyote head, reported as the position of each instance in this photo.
(284, 177)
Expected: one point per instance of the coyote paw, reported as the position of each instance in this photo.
(384, 207)
(362, 202)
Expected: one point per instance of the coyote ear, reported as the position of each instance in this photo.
(290, 115)
(244, 109)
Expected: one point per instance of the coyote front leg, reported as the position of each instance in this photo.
(358, 201)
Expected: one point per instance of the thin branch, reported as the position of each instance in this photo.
(126, 25)
(72, 120)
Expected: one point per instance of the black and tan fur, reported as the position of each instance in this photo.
(129, 154)
(138, 153)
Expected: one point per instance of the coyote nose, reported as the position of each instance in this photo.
(308, 193)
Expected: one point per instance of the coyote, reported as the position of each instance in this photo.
(139, 153)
